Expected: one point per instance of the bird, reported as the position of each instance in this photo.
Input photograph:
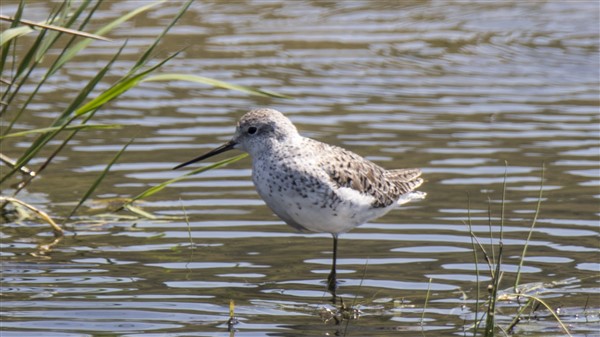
(314, 186)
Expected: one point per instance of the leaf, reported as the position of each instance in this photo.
(213, 82)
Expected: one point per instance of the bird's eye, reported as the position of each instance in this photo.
(252, 130)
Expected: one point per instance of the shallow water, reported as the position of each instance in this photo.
(455, 88)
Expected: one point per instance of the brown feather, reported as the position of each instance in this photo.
(367, 177)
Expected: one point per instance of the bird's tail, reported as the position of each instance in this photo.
(408, 197)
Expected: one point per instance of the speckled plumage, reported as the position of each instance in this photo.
(315, 186)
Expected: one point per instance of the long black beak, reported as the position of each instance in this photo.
(225, 147)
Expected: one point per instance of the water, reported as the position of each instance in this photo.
(454, 88)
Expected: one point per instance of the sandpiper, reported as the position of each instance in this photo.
(313, 186)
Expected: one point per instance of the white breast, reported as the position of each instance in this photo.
(310, 203)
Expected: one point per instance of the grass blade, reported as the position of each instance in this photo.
(62, 19)
(562, 325)
(43, 215)
(56, 151)
(98, 180)
(493, 260)
(57, 61)
(475, 258)
(140, 212)
(24, 64)
(118, 89)
(47, 26)
(13, 33)
(144, 58)
(503, 200)
(68, 127)
(422, 323)
(517, 317)
(6, 47)
(12, 163)
(490, 321)
(69, 54)
(157, 188)
(214, 83)
(535, 216)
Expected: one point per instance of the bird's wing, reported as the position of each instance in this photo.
(347, 169)
(407, 179)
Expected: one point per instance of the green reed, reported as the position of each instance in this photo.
(56, 42)
(487, 321)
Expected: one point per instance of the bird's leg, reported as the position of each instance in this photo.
(332, 279)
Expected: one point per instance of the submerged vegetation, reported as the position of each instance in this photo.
(56, 41)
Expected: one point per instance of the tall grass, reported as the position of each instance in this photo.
(487, 321)
(50, 46)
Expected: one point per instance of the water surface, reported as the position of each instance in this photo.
(467, 91)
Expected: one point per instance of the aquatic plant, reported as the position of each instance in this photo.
(487, 320)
